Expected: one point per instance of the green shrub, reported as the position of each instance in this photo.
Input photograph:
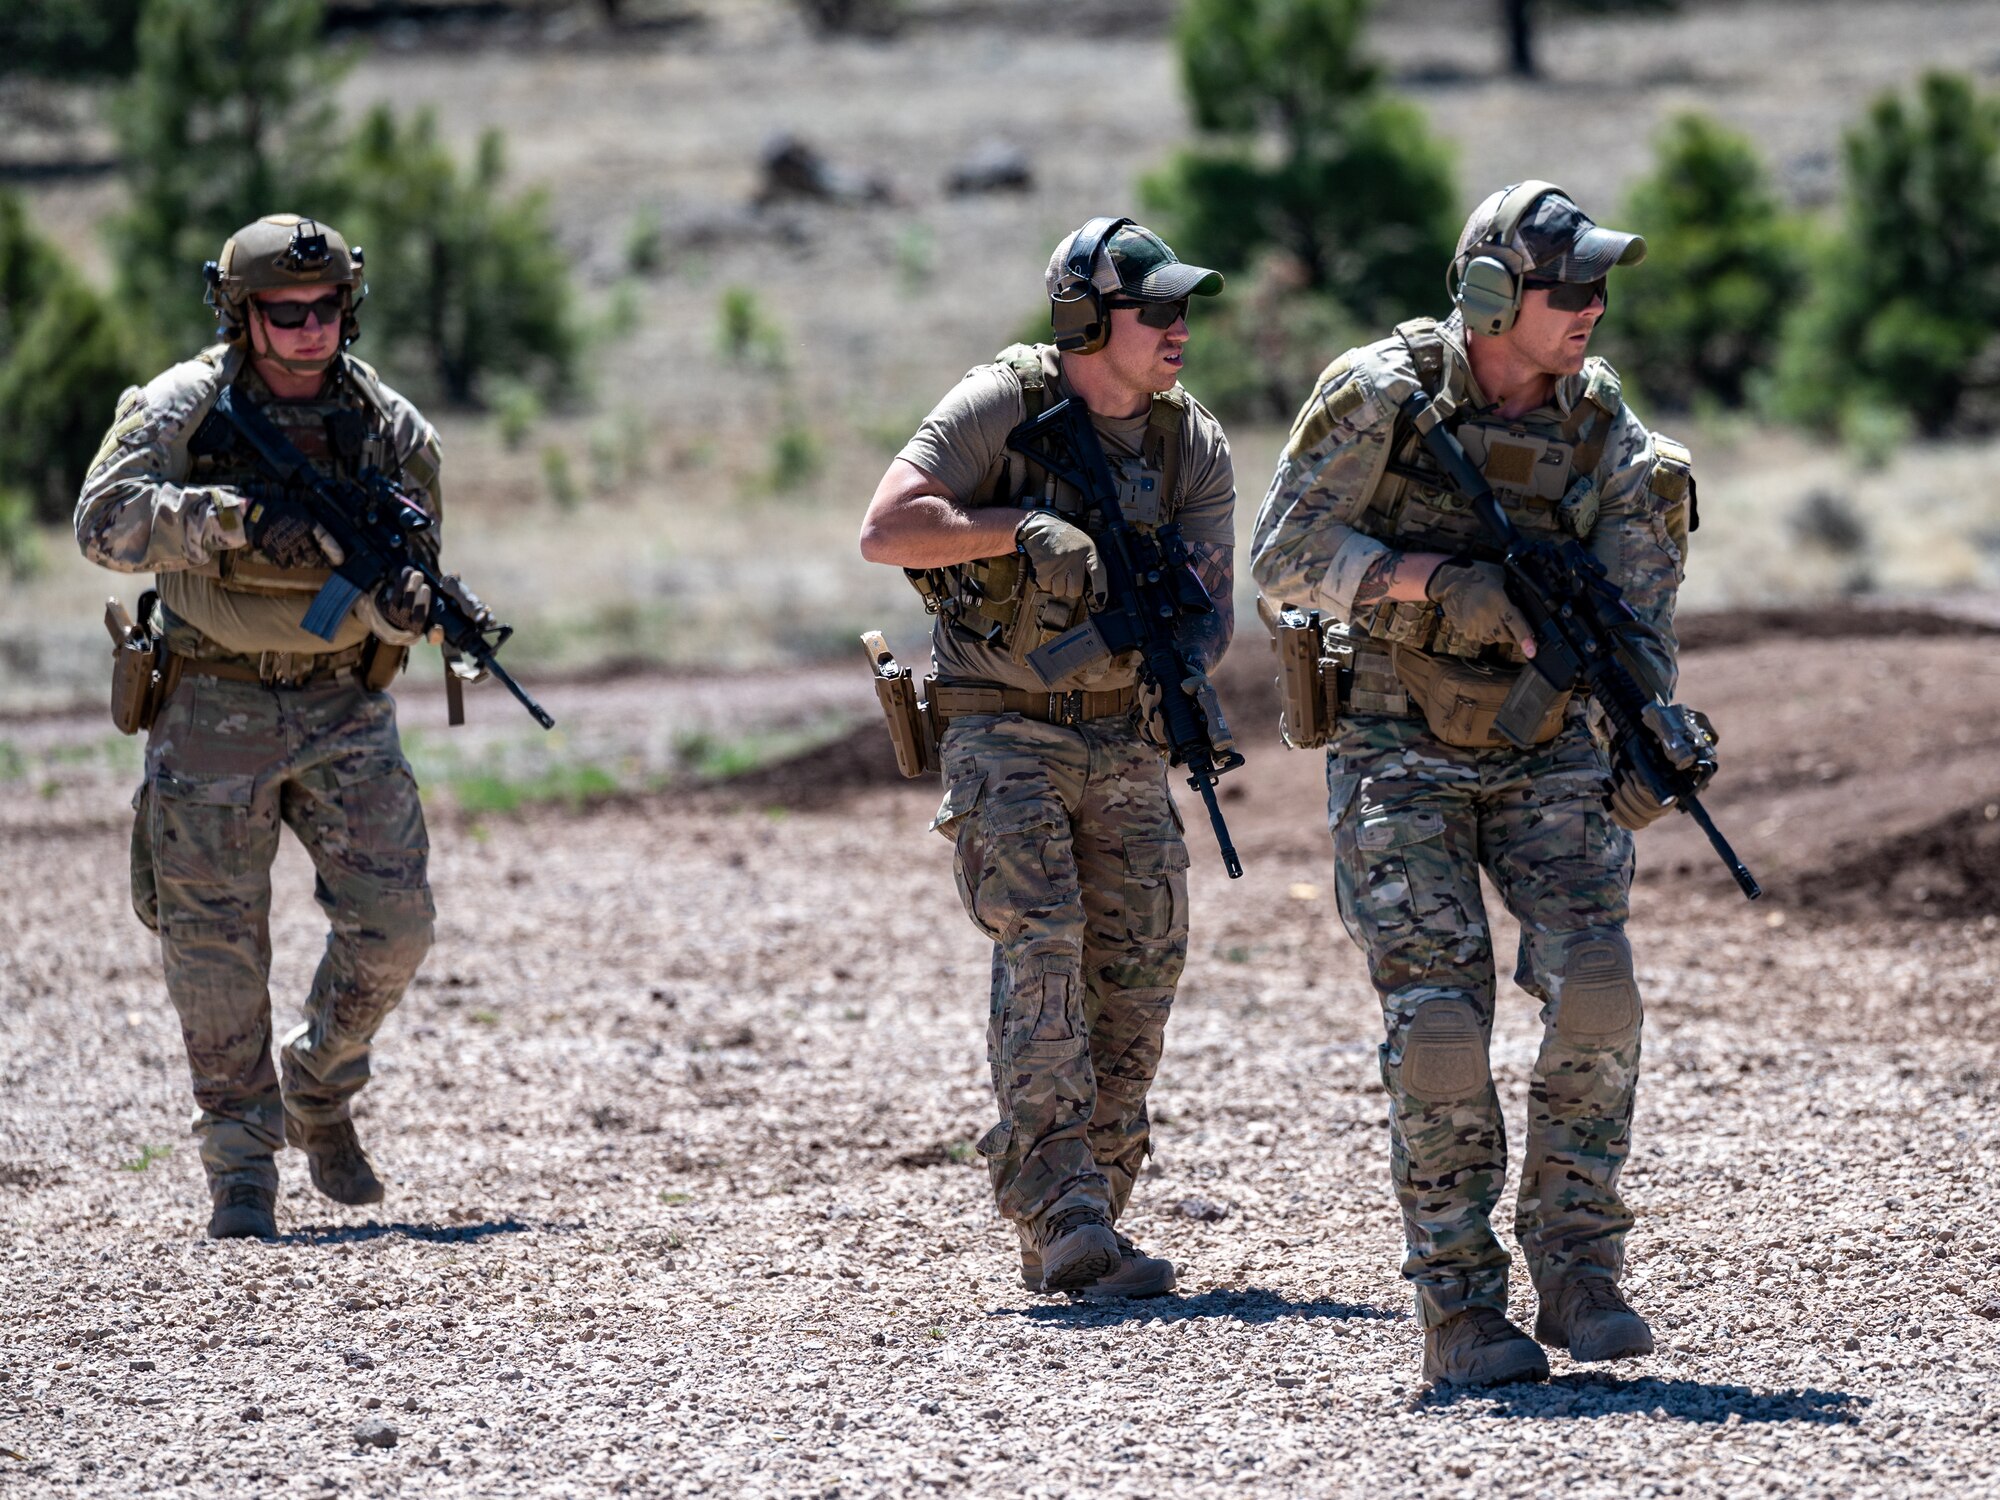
(228, 117)
(20, 545)
(1254, 353)
(63, 362)
(1301, 152)
(1723, 266)
(744, 334)
(69, 38)
(463, 283)
(1906, 296)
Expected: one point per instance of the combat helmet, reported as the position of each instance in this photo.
(282, 250)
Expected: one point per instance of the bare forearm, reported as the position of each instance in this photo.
(930, 531)
(913, 521)
(1397, 578)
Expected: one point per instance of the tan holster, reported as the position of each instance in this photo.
(912, 729)
(1309, 671)
(143, 671)
(1461, 699)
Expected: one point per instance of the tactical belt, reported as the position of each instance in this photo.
(955, 700)
(278, 669)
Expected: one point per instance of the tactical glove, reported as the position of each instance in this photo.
(1153, 723)
(281, 530)
(1631, 805)
(1062, 556)
(400, 611)
(1473, 596)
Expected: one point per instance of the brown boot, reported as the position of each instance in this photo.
(244, 1211)
(1077, 1248)
(1480, 1347)
(340, 1168)
(1588, 1316)
(1138, 1274)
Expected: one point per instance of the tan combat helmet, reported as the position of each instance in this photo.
(282, 250)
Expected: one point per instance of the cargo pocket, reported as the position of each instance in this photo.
(1156, 906)
(1013, 857)
(200, 829)
(1340, 789)
(960, 797)
(145, 886)
(1387, 855)
(383, 812)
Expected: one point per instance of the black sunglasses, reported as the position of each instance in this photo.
(1572, 296)
(1155, 314)
(293, 314)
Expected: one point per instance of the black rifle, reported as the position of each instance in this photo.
(1150, 590)
(374, 525)
(1585, 635)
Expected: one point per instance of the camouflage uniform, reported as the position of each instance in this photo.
(1414, 820)
(227, 760)
(1070, 851)
(1070, 856)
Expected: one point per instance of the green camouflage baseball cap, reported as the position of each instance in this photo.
(1135, 263)
(1557, 241)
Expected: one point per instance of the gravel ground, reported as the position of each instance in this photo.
(678, 1115)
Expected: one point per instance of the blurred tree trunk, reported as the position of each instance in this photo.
(1520, 37)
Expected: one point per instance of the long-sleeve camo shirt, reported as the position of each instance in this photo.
(1317, 533)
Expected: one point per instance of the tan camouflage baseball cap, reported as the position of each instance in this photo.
(1136, 263)
(1557, 241)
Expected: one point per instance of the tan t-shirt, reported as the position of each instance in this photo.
(964, 440)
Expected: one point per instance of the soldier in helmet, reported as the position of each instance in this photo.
(265, 724)
(1423, 793)
(1070, 852)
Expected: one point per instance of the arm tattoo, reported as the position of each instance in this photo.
(1377, 581)
(1207, 636)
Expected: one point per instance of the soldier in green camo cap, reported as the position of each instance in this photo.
(1423, 795)
(263, 723)
(1069, 849)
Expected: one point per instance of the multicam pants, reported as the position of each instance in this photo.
(1414, 821)
(1071, 858)
(226, 763)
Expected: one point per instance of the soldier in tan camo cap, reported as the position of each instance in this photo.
(1070, 854)
(1422, 795)
(265, 724)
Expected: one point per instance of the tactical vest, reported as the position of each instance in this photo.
(1541, 472)
(993, 599)
(344, 431)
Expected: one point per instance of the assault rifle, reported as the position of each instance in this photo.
(374, 525)
(1150, 591)
(1584, 636)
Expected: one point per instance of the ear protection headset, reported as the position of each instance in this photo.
(1485, 282)
(1077, 312)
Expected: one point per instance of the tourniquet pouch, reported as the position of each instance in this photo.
(1460, 699)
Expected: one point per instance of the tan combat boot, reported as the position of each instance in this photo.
(340, 1168)
(1077, 1248)
(244, 1211)
(1138, 1274)
(1480, 1347)
(1588, 1316)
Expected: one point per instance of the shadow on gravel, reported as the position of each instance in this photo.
(1254, 1305)
(430, 1234)
(1665, 1400)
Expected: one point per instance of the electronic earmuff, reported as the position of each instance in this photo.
(1077, 312)
(1487, 286)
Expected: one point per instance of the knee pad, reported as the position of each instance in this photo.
(1598, 1004)
(1444, 1053)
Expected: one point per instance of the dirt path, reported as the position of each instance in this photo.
(678, 1114)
